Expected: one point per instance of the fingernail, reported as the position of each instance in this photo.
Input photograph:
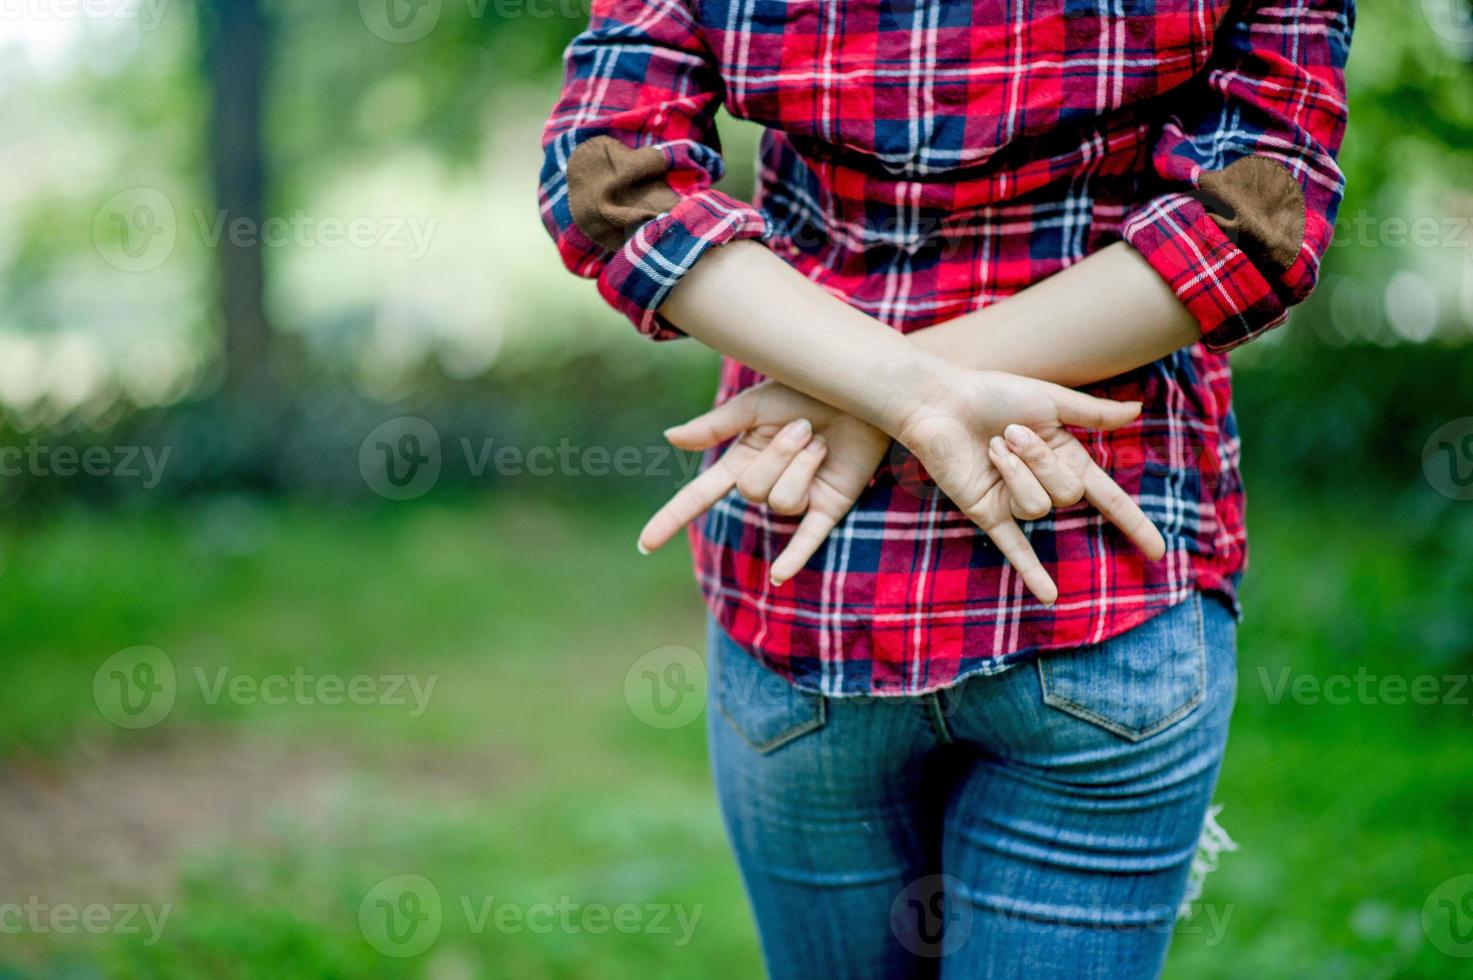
(1000, 450)
(774, 581)
(1018, 436)
(642, 549)
(816, 446)
(797, 429)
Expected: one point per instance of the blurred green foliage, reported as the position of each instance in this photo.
(529, 778)
(262, 549)
(444, 127)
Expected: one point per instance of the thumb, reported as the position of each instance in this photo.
(1077, 408)
(731, 418)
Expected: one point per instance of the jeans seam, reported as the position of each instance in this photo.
(938, 718)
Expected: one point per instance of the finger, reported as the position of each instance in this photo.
(812, 532)
(758, 477)
(1013, 543)
(690, 502)
(790, 494)
(1077, 408)
(1027, 497)
(1062, 483)
(1121, 510)
(729, 419)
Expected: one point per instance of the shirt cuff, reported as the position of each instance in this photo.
(1213, 277)
(641, 274)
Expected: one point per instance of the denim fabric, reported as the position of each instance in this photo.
(1036, 823)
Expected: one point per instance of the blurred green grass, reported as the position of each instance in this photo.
(529, 778)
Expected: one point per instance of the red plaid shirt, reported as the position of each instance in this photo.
(923, 158)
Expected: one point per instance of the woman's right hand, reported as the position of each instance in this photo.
(962, 431)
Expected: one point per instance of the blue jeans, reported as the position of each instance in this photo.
(1036, 823)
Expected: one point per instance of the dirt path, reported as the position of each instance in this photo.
(115, 823)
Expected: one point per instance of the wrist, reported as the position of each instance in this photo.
(905, 388)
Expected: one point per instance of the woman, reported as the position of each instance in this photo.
(946, 743)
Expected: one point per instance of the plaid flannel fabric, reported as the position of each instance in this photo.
(921, 159)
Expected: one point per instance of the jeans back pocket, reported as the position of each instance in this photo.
(763, 707)
(1138, 683)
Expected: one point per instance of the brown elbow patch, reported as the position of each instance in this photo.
(1260, 206)
(613, 189)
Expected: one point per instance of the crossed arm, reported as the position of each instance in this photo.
(979, 400)
(1242, 193)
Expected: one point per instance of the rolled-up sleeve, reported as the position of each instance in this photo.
(631, 154)
(1244, 186)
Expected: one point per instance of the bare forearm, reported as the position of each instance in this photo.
(1103, 316)
(747, 303)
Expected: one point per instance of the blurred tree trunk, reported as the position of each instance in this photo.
(235, 40)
